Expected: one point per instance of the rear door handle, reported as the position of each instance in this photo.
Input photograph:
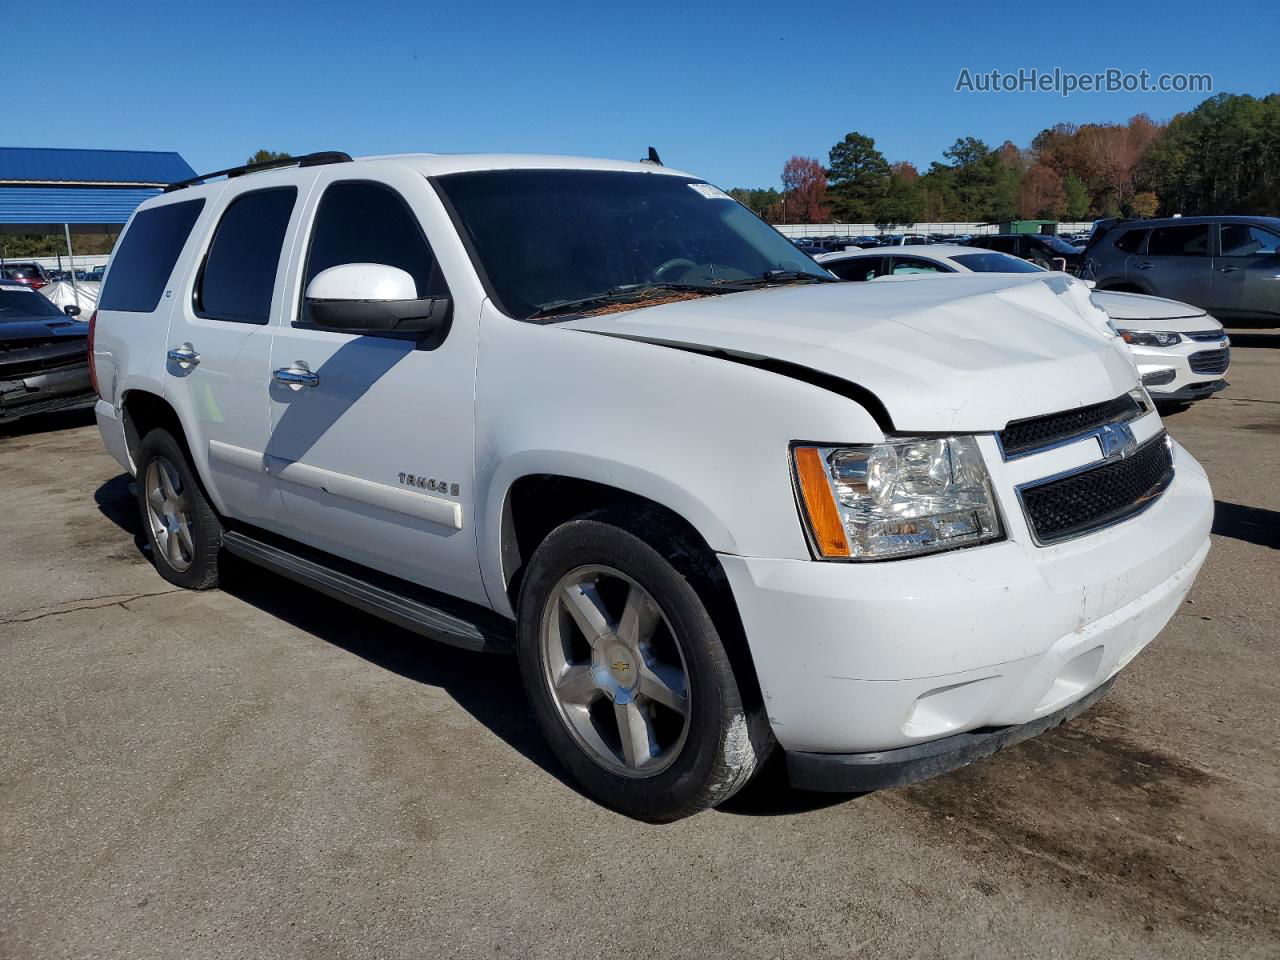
(1145, 265)
(184, 356)
(298, 375)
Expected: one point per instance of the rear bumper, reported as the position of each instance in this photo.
(111, 429)
(883, 769)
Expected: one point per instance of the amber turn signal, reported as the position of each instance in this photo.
(820, 503)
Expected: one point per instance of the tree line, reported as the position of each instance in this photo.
(1222, 157)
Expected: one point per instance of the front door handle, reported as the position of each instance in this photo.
(184, 356)
(1228, 269)
(298, 375)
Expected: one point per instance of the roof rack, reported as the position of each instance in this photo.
(309, 160)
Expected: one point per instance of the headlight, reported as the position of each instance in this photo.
(896, 499)
(1150, 338)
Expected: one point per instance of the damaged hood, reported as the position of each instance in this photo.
(966, 353)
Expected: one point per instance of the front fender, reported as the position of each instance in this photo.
(707, 438)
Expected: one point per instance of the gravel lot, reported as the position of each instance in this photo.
(261, 772)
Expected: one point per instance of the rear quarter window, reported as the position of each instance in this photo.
(1130, 240)
(142, 264)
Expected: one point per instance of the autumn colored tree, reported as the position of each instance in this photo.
(804, 191)
(1144, 204)
(1041, 196)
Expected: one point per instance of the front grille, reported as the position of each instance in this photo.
(1023, 436)
(1210, 361)
(1098, 496)
(1206, 336)
(23, 359)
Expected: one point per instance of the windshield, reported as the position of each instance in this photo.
(546, 237)
(1058, 245)
(995, 263)
(25, 303)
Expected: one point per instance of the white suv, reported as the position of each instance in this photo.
(601, 414)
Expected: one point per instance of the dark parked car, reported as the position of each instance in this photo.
(43, 355)
(1042, 249)
(28, 274)
(1230, 266)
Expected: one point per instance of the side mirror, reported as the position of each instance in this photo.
(372, 298)
(71, 310)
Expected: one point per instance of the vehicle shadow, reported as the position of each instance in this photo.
(47, 422)
(1254, 338)
(1250, 524)
(487, 686)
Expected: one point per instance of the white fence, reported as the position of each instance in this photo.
(871, 230)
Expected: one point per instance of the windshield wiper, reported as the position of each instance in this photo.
(780, 276)
(626, 293)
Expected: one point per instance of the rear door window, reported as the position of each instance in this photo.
(1189, 241)
(1246, 240)
(145, 258)
(239, 272)
(857, 268)
(906, 265)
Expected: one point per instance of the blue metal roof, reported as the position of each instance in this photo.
(48, 164)
(90, 208)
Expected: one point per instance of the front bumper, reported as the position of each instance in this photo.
(1167, 372)
(47, 392)
(1192, 391)
(883, 769)
(858, 658)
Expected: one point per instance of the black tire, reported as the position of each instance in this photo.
(727, 739)
(160, 447)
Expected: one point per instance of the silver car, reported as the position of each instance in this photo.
(1230, 266)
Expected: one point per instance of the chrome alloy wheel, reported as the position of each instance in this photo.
(615, 670)
(169, 513)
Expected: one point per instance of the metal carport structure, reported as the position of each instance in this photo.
(48, 190)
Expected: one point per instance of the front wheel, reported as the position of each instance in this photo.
(629, 677)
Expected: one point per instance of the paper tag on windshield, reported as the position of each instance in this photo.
(710, 192)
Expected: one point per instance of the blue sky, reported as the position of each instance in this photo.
(726, 90)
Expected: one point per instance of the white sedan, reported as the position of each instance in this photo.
(1181, 351)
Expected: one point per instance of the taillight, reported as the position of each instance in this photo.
(93, 373)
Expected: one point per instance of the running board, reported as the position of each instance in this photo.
(484, 633)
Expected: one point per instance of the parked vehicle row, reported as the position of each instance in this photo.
(717, 502)
(1182, 352)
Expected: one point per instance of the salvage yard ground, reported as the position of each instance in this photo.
(262, 772)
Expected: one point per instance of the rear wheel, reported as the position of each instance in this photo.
(629, 677)
(181, 527)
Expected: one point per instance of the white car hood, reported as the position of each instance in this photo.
(1137, 311)
(964, 353)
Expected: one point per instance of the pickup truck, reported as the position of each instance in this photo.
(601, 416)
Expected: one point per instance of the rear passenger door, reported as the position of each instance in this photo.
(1177, 264)
(218, 367)
(375, 454)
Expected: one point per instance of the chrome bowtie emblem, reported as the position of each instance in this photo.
(1117, 441)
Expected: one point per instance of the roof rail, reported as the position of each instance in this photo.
(309, 160)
